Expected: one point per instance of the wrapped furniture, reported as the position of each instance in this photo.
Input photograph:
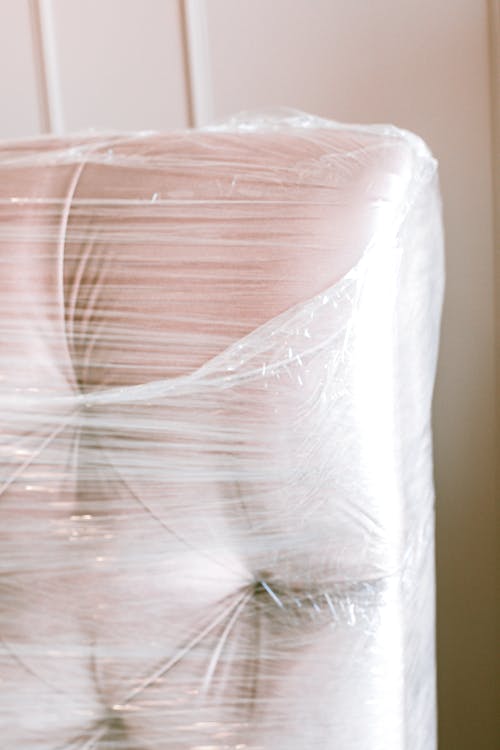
(217, 355)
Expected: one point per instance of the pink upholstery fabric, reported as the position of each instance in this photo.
(217, 560)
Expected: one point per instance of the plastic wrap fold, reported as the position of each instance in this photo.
(216, 500)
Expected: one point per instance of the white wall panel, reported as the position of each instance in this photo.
(19, 106)
(423, 65)
(120, 63)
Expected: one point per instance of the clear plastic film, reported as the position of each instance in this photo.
(217, 358)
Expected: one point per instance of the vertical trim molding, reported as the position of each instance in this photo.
(45, 56)
(197, 62)
(494, 30)
(39, 65)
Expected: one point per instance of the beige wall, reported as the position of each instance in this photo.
(422, 64)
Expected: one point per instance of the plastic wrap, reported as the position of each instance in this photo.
(217, 358)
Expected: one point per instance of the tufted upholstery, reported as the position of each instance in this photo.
(218, 353)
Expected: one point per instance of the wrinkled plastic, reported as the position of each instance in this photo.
(217, 358)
